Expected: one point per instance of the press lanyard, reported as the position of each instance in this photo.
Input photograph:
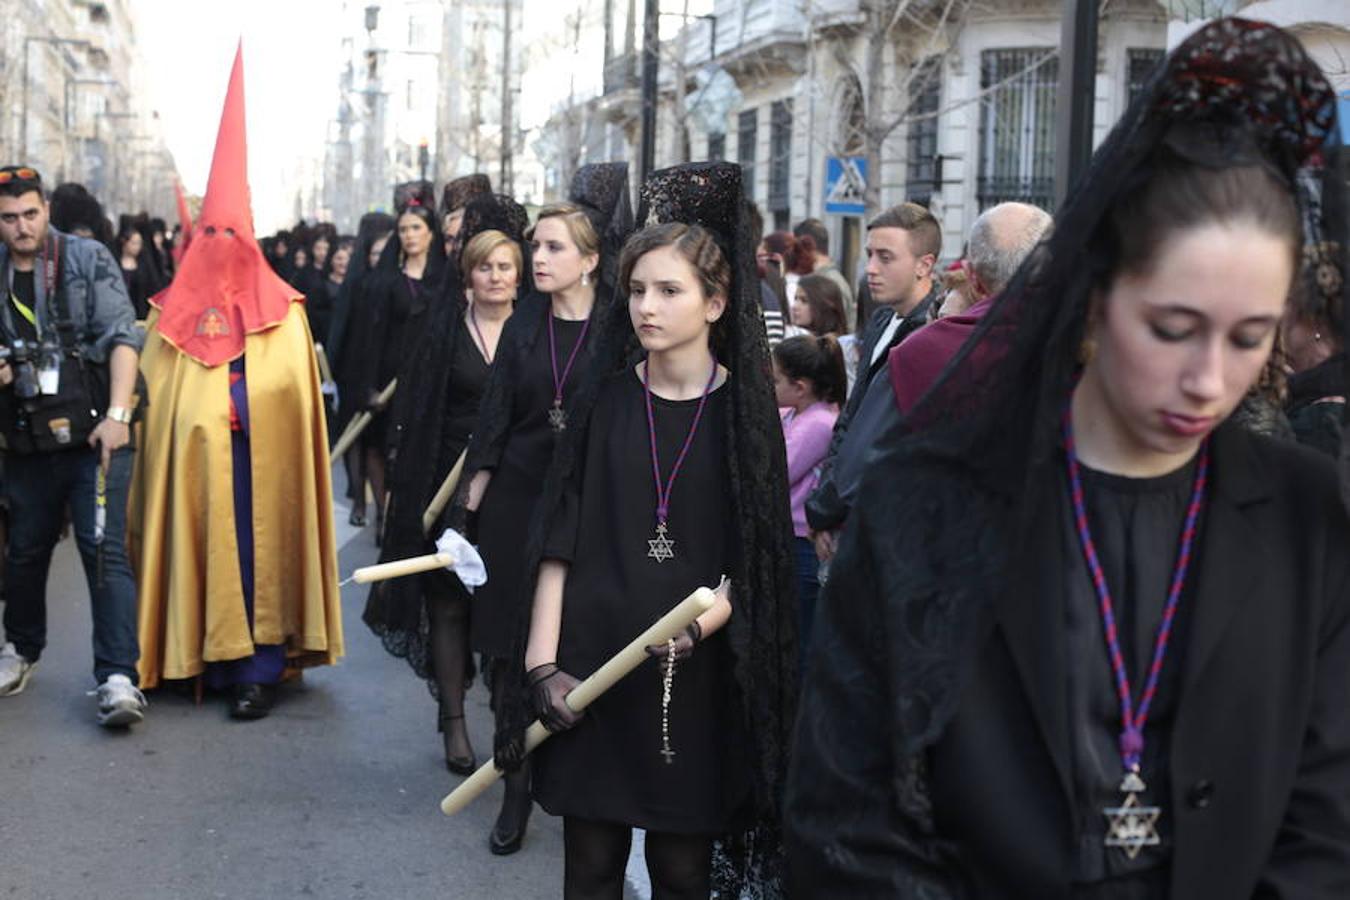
(51, 260)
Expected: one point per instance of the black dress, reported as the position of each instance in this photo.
(509, 503)
(610, 768)
(319, 303)
(397, 297)
(139, 284)
(428, 441)
(468, 377)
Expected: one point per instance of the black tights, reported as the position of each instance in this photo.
(375, 475)
(355, 460)
(448, 612)
(596, 855)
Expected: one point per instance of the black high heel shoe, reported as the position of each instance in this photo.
(459, 765)
(357, 519)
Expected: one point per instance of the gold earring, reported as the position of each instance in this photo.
(1087, 350)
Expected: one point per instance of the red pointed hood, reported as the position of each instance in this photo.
(224, 288)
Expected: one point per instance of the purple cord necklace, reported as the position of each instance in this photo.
(661, 547)
(1133, 826)
(557, 416)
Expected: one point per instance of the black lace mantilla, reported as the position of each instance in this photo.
(459, 191)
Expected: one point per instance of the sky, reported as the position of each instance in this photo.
(290, 86)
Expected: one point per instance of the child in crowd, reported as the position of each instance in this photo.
(810, 385)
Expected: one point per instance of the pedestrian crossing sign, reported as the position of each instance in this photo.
(845, 181)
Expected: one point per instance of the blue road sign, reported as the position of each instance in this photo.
(845, 181)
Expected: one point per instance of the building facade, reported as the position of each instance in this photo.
(83, 115)
(835, 108)
(423, 89)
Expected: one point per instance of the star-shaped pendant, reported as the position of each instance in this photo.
(1131, 826)
(661, 548)
(557, 418)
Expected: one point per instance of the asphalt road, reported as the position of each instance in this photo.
(335, 795)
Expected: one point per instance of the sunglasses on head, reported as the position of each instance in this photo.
(18, 173)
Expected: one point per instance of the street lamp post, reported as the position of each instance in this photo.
(651, 36)
(27, 42)
(1077, 77)
(651, 39)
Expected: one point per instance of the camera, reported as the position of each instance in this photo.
(22, 356)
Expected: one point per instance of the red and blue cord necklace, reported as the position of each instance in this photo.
(1133, 826)
(662, 547)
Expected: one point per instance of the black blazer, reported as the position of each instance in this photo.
(1260, 749)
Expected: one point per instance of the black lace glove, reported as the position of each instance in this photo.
(548, 686)
(471, 526)
(684, 644)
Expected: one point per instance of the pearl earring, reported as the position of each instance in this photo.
(585, 278)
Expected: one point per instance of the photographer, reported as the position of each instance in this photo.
(67, 381)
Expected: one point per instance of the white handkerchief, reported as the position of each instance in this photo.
(468, 565)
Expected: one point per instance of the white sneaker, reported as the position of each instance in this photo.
(119, 702)
(14, 671)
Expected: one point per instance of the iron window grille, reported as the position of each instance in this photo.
(1139, 65)
(780, 156)
(921, 138)
(747, 140)
(1017, 127)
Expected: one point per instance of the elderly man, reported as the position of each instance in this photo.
(1000, 240)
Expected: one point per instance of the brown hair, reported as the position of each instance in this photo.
(480, 248)
(826, 302)
(1181, 195)
(578, 224)
(785, 245)
(924, 230)
(817, 359)
(693, 242)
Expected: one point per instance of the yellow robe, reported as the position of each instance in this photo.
(182, 532)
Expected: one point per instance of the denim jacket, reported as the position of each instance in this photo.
(99, 306)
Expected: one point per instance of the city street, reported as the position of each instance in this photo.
(335, 795)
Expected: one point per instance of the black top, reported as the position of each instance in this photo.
(399, 297)
(468, 377)
(1136, 525)
(610, 767)
(1317, 405)
(139, 290)
(26, 294)
(509, 503)
(319, 307)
